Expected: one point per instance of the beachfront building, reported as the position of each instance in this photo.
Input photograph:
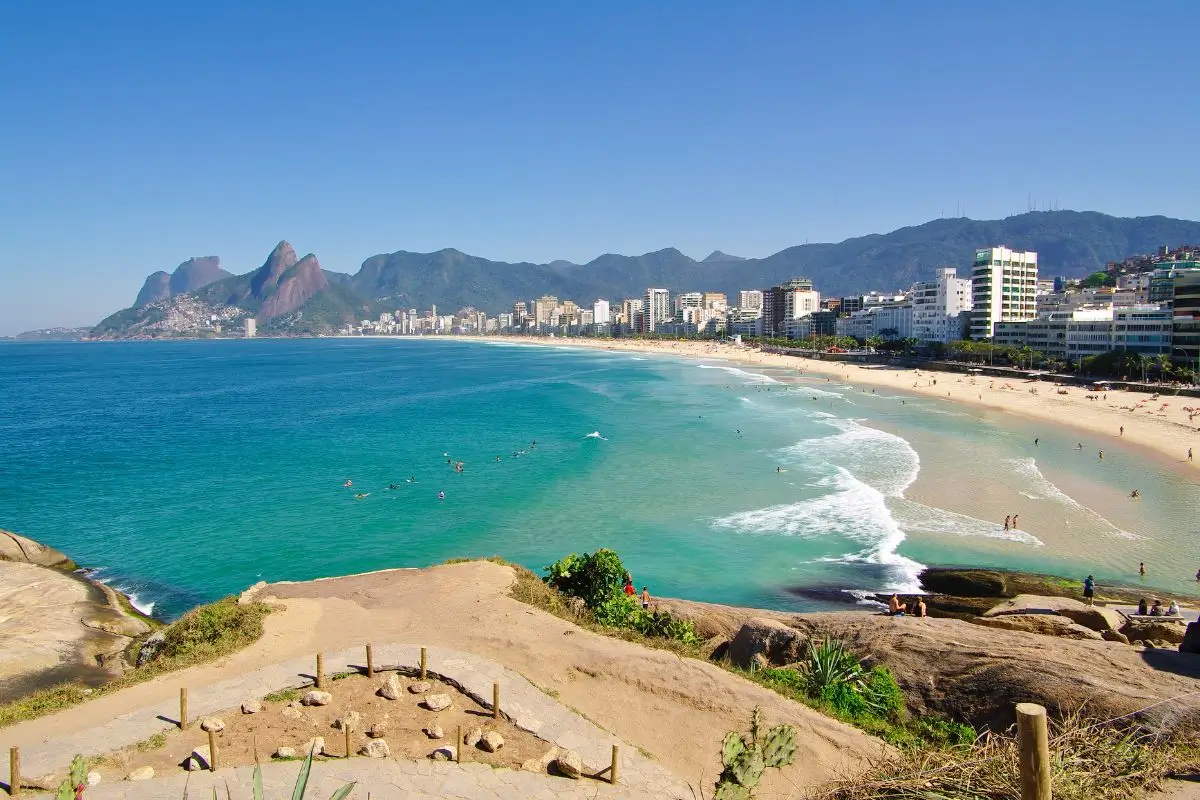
(743, 322)
(519, 313)
(937, 307)
(1185, 307)
(251, 328)
(688, 300)
(545, 309)
(601, 313)
(891, 321)
(791, 300)
(656, 310)
(1146, 329)
(715, 301)
(750, 300)
(1003, 288)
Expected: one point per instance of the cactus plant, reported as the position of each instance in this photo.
(746, 758)
(73, 785)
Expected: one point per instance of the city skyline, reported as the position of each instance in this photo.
(745, 130)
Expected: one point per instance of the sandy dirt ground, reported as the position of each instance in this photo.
(675, 710)
(1163, 426)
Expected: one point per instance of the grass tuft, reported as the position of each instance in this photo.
(204, 634)
(283, 696)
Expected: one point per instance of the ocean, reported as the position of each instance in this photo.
(186, 471)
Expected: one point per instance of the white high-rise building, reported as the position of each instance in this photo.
(601, 312)
(251, 328)
(750, 300)
(937, 306)
(656, 309)
(689, 300)
(1003, 288)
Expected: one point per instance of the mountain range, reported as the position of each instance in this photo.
(287, 294)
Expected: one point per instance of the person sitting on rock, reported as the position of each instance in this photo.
(895, 607)
(1156, 610)
(1173, 609)
(1142, 607)
(918, 606)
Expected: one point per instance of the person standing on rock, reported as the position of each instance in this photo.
(645, 599)
(1089, 589)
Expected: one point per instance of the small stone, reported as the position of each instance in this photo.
(285, 752)
(444, 753)
(316, 746)
(214, 724)
(316, 698)
(351, 720)
(140, 774)
(251, 706)
(420, 687)
(473, 736)
(435, 732)
(93, 778)
(492, 741)
(291, 712)
(437, 702)
(199, 758)
(376, 748)
(569, 764)
(391, 689)
(542, 764)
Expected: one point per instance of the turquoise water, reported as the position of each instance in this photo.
(186, 471)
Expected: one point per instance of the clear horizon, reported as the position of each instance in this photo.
(528, 132)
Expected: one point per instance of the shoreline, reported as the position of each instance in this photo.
(1163, 433)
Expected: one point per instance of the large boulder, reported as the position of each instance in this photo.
(776, 642)
(1096, 618)
(1145, 630)
(14, 547)
(1191, 639)
(964, 582)
(1044, 624)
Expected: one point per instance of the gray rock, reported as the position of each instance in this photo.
(473, 736)
(437, 702)
(351, 720)
(435, 732)
(247, 597)
(420, 687)
(199, 759)
(776, 642)
(570, 764)
(285, 752)
(140, 774)
(316, 698)
(214, 724)
(251, 706)
(150, 648)
(376, 748)
(444, 753)
(492, 741)
(315, 745)
(391, 689)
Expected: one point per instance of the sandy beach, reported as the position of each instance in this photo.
(1160, 426)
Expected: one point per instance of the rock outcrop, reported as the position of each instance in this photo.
(21, 549)
(1154, 630)
(1044, 624)
(1096, 618)
(776, 642)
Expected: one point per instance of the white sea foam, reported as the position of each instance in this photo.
(752, 377)
(917, 517)
(97, 574)
(1039, 487)
(145, 608)
(883, 460)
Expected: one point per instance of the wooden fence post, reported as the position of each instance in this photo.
(212, 751)
(14, 771)
(422, 663)
(495, 701)
(370, 663)
(612, 772)
(182, 708)
(1034, 740)
(320, 669)
(346, 728)
(458, 746)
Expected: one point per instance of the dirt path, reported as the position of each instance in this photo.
(676, 710)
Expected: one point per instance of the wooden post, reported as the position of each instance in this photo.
(370, 663)
(182, 708)
(422, 663)
(495, 701)
(458, 746)
(1034, 741)
(346, 728)
(212, 751)
(320, 669)
(14, 771)
(612, 772)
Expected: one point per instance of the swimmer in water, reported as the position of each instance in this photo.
(347, 484)
(393, 486)
(778, 469)
(412, 480)
(361, 495)
(441, 495)
(1135, 494)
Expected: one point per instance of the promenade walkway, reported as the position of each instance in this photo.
(521, 703)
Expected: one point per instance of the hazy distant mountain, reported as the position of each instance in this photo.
(287, 294)
(716, 257)
(189, 276)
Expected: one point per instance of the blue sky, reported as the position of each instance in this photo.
(135, 135)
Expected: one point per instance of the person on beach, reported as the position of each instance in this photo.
(1089, 589)
(1122, 430)
(1015, 521)
(645, 599)
(1007, 521)
(1142, 569)
(628, 587)
(1189, 455)
(1135, 494)
(1142, 607)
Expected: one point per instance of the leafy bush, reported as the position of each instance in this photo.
(619, 611)
(593, 577)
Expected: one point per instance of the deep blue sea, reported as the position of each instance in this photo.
(185, 471)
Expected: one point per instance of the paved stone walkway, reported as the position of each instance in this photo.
(521, 702)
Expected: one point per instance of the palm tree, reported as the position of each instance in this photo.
(1164, 366)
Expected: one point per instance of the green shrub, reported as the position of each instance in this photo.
(619, 611)
(829, 664)
(882, 694)
(593, 577)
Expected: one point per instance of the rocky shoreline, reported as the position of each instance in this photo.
(58, 625)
